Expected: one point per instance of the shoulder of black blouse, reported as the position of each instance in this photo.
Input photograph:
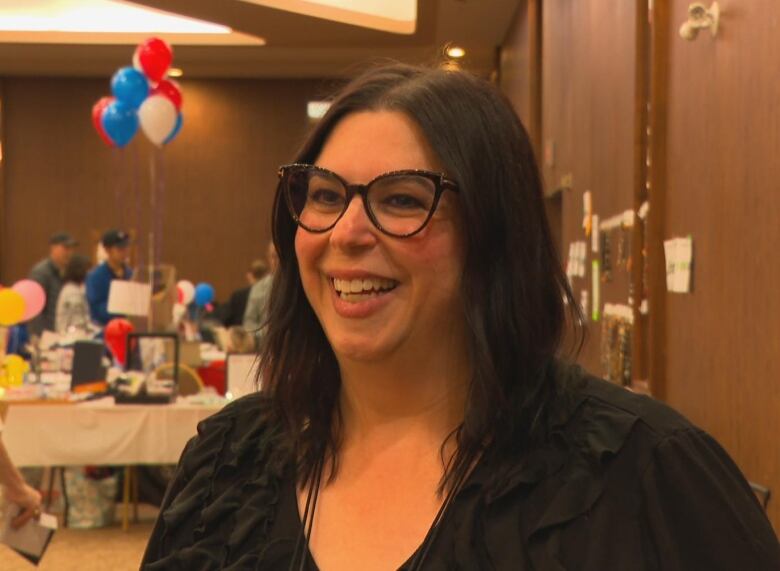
(250, 411)
(620, 482)
(223, 498)
(626, 466)
(234, 436)
(593, 423)
(658, 417)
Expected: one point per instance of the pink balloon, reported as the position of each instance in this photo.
(34, 297)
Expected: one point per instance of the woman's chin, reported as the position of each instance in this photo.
(361, 350)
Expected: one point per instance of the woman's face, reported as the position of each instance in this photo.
(418, 277)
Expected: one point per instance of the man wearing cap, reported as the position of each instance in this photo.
(116, 244)
(48, 273)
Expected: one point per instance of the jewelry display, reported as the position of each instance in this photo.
(616, 333)
(606, 257)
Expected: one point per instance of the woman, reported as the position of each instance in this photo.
(413, 411)
(72, 307)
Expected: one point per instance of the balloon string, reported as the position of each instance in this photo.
(160, 213)
(152, 228)
(152, 210)
(117, 180)
(138, 211)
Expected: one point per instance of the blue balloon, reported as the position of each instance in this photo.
(130, 86)
(176, 129)
(204, 294)
(120, 122)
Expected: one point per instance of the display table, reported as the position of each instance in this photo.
(55, 434)
(100, 433)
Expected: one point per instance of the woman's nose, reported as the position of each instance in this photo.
(354, 229)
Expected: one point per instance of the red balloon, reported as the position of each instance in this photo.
(155, 57)
(97, 116)
(169, 89)
(115, 337)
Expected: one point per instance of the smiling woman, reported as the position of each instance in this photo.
(417, 409)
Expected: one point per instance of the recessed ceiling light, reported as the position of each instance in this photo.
(175, 72)
(317, 109)
(455, 52)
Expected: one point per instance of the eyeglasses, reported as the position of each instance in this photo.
(398, 203)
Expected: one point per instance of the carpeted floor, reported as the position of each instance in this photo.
(89, 550)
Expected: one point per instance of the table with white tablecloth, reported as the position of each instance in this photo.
(98, 433)
(54, 435)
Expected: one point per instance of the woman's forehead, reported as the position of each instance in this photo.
(368, 143)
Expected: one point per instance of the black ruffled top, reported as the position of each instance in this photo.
(623, 482)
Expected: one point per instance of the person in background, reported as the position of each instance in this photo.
(232, 312)
(48, 273)
(18, 340)
(240, 340)
(257, 305)
(16, 490)
(72, 306)
(116, 244)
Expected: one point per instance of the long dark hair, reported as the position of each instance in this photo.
(76, 270)
(513, 287)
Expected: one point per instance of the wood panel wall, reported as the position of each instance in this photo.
(519, 68)
(714, 171)
(589, 126)
(722, 172)
(520, 79)
(219, 174)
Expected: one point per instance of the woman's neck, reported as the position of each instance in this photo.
(423, 392)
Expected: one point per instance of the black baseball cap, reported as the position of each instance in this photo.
(63, 238)
(115, 238)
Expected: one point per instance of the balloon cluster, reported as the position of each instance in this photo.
(21, 302)
(202, 294)
(142, 95)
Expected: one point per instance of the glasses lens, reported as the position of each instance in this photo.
(402, 203)
(316, 197)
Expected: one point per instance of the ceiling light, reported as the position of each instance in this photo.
(106, 21)
(317, 109)
(97, 16)
(398, 16)
(175, 72)
(455, 52)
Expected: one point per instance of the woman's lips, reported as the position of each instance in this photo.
(362, 303)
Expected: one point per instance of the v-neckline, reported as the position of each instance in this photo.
(291, 499)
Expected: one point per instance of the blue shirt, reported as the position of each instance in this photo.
(98, 285)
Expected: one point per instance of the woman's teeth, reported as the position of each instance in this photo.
(361, 289)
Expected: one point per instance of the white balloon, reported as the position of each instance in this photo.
(187, 291)
(157, 116)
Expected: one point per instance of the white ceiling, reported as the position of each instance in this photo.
(297, 45)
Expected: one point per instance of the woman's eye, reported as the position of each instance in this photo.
(405, 201)
(325, 196)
